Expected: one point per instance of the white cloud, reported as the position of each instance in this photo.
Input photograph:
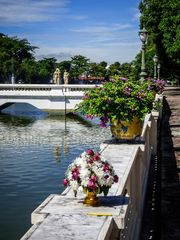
(124, 52)
(136, 14)
(101, 29)
(23, 11)
(66, 31)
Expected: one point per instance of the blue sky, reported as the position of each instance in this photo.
(101, 30)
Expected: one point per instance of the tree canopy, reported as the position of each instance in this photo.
(161, 19)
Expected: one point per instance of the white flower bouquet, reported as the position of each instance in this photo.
(91, 172)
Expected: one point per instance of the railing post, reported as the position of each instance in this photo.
(154, 132)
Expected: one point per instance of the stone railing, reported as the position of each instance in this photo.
(63, 216)
(45, 87)
(45, 97)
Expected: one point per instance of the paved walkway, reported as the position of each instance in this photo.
(170, 166)
(162, 208)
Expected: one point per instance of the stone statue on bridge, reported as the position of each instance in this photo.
(66, 77)
(57, 76)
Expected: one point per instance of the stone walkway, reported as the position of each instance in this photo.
(170, 166)
(162, 207)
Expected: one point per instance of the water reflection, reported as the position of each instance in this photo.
(57, 154)
(10, 120)
(24, 110)
(34, 154)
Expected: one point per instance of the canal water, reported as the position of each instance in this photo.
(34, 154)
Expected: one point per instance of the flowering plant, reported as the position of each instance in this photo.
(156, 85)
(91, 172)
(120, 98)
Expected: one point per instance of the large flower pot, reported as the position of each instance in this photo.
(126, 130)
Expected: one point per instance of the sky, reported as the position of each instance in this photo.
(101, 30)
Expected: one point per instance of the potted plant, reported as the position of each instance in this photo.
(91, 172)
(121, 101)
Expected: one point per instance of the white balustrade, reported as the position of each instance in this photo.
(63, 216)
(46, 97)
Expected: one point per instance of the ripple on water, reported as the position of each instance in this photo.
(33, 158)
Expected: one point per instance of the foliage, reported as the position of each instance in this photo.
(13, 52)
(91, 172)
(161, 19)
(17, 56)
(119, 98)
(79, 65)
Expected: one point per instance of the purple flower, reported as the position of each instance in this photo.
(127, 90)
(109, 101)
(103, 121)
(89, 116)
(102, 124)
(111, 80)
(124, 79)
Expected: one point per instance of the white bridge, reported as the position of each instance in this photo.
(45, 97)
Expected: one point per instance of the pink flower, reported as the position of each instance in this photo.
(106, 167)
(96, 156)
(65, 182)
(90, 152)
(91, 160)
(93, 178)
(75, 173)
(91, 184)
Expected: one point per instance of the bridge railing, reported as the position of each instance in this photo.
(46, 87)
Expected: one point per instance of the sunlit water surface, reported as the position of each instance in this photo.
(34, 154)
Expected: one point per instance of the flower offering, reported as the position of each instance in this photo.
(91, 172)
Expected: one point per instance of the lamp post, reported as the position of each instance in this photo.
(158, 70)
(155, 59)
(12, 64)
(143, 37)
(12, 74)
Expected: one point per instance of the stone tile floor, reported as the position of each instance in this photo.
(162, 207)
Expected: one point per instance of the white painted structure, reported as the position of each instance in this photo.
(45, 97)
(64, 217)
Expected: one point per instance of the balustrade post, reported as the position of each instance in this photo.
(154, 132)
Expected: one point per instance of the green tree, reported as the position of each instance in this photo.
(13, 52)
(114, 68)
(161, 19)
(79, 65)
